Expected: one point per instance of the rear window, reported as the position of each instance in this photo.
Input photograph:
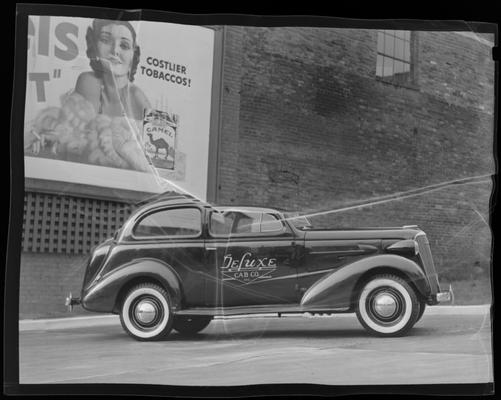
(169, 223)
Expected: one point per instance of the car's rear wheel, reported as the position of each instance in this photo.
(189, 325)
(387, 306)
(146, 313)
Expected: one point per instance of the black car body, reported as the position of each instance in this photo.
(178, 262)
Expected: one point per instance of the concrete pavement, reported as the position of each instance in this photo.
(449, 345)
(107, 319)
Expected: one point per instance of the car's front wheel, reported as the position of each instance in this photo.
(422, 308)
(146, 313)
(387, 306)
(189, 325)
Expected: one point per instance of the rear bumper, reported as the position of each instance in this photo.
(72, 301)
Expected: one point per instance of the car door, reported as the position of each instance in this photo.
(253, 259)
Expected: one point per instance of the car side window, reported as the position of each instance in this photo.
(221, 223)
(172, 222)
(247, 223)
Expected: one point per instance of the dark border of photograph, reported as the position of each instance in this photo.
(11, 305)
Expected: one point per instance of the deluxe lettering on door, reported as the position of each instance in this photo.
(248, 268)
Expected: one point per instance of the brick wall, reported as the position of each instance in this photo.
(230, 113)
(457, 69)
(317, 130)
(45, 281)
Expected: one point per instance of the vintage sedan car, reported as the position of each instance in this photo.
(177, 263)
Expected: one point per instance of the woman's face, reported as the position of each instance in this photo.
(115, 49)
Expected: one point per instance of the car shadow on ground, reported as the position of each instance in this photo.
(296, 334)
(212, 334)
(268, 334)
(249, 335)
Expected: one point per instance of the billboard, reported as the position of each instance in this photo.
(119, 104)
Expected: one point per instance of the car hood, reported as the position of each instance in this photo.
(362, 233)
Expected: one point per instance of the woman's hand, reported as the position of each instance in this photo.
(42, 129)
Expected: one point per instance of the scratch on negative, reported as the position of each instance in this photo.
(407, 194)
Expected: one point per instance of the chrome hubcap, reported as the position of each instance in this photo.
(145, 312)
(385, 305)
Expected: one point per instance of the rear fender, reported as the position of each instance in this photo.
(336, 289)
(102, 295)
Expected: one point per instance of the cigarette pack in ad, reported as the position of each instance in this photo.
(159, 138)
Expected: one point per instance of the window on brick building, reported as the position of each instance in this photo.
(394, 57)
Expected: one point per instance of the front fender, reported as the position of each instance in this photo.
(102, 295)
(336, 289)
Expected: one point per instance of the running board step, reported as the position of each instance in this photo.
(220, 311)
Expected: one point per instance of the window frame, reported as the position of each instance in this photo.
(411, 81)
(163, 237)
(248, 234)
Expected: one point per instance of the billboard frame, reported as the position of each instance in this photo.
(88, 190)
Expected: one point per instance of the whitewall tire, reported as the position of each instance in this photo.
(146, 312)
(387, 306)
(422, 308)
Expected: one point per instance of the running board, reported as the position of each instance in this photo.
(242, 310)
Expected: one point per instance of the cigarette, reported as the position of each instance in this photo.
(36, 134)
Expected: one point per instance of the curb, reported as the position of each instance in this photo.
(109, 320)
(67, 323)
(458, 310)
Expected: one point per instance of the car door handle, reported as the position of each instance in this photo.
(211, 248)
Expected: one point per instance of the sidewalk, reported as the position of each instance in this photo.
(107, 320)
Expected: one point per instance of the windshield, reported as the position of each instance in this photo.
(299, 221)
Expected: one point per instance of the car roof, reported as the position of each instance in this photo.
(161, 201)
(170, 200)
(246, 209)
